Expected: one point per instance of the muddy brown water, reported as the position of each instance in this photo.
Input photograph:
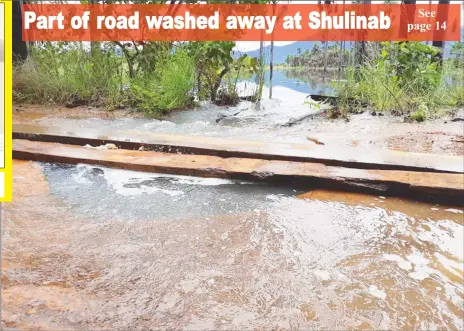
(149, 251)
(93, 248)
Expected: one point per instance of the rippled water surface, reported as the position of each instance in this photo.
(86, 247)
(90, 247)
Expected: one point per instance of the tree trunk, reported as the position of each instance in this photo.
(441, 17)
(94, 45)
(260, 77)
(326, 46)
(217, 85)
(361, 50)
(271, 69)
(271, 60)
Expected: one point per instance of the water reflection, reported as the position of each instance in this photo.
(227, 255)
(312, 82)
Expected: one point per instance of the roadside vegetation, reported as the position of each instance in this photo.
(154, 77)
(405, 78)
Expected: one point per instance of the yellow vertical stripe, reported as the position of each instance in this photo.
(6, 21)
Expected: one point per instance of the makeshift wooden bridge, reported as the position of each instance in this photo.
(418, 175)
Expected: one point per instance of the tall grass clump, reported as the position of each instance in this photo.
(169, 86)
(404, 78)
(62, 72)
(67, 73)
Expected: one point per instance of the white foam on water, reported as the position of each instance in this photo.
(402, 263)
(417, 258)
(203, 181)
(273, 197)
(447, 235)
(375, 291)
(450, 265)
(421, 268)
(79, 176)
(421, 272)
(119, 180)
(323, 274)
(456, 211)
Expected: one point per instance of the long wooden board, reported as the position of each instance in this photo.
(345, 157)
(439, 185)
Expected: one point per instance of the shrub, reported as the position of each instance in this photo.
(168, 87)
(404, 78)
(58, 72)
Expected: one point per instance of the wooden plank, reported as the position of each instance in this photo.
(345, 157)
(420, 185)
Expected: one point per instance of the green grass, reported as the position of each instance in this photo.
(169, 87)
(418, 95)
(51, 77)
(59, 73)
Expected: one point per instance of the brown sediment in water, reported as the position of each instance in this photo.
(294, 263)
(25, 113)
(428, 142)
(411, 208)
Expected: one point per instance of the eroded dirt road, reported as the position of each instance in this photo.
(95, 248)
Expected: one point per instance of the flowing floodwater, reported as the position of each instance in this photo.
(98, 248)
(289, 117)
(86, 247)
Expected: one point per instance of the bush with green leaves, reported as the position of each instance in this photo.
(154, 77)
(404, 78)
(58, 72)
(168, 87)
(411, 64)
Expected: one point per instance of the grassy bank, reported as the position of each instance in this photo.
(406, 79)
(72, 75)
(154, 77)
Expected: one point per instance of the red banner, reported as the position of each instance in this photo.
(68, 22)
